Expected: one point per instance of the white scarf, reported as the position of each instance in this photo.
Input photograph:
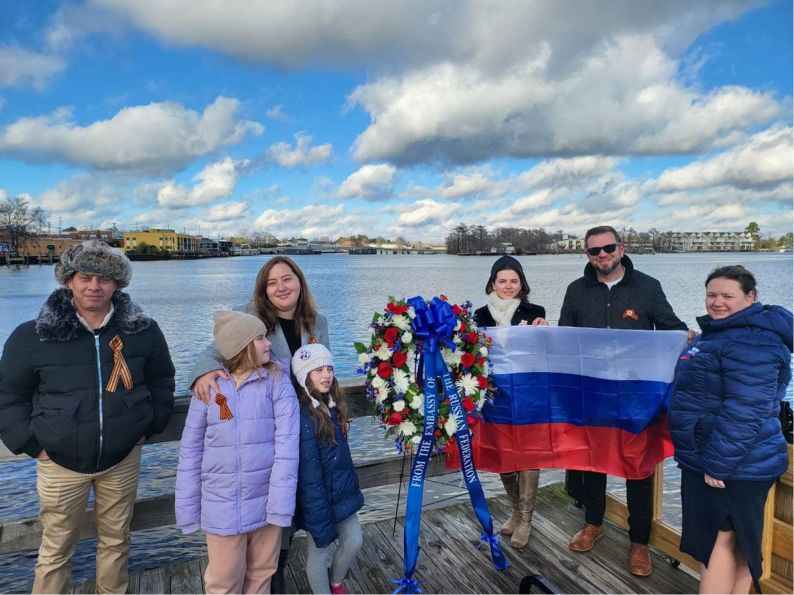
(502, 310)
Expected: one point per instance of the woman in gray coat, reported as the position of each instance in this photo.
(283, 301)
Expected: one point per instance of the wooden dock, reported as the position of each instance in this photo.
(450, 562)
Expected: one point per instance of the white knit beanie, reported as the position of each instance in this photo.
(308, 358)
(235, 330)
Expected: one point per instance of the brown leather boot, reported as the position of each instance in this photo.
(640, 560)
(510, 481)
(527, 491)
(585, 538)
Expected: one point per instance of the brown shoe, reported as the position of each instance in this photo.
(583, 541)
(640, 560)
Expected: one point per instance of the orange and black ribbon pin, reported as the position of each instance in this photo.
(226, 413)
(120, 369)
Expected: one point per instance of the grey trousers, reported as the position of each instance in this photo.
(317, 559)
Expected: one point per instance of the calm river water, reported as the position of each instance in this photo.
(181, 296)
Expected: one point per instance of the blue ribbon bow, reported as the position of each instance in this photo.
(435, 323)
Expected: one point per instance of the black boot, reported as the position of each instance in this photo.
(277, 584)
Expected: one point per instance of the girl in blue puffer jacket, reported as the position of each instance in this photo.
(238, 462)
(724, 425)
(328, 493)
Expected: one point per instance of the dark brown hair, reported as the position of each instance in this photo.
(323, 424)
(247, 360)
(305, 311)
(597, 231)
(735, 272)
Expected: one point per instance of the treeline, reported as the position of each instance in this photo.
(473, 239)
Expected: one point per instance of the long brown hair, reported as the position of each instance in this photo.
(323, 424)
(247, 360)
(305, 311)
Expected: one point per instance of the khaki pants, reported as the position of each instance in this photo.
(242, 563)
(63, 496)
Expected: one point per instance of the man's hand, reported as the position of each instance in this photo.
(540, 322)
(691, 335)
(714, 483)
(43, 456)
(203, 384)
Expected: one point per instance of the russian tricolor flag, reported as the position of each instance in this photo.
(578, 398)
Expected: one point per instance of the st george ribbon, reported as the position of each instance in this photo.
(435, 323)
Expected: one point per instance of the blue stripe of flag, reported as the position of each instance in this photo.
(547, 397)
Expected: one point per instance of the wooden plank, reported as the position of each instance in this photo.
(158, 511)
(781, 539)
(186, 577)
(766, 536)
(154, 581)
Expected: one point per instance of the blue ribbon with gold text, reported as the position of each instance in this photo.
(435, 323)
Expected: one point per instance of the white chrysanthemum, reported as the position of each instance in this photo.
(377, 382)
(398, 406)
(407, 337)
(380, 395)
(450, 426)
(479, 404)
(401, 322)
(407, 428)
(468, 384)
(416, 440)
(401, 381)
(411, 312)
(458, 324)
(363, 358)
(451, 358)
(483, 350)
(417, 402)
(384, 353)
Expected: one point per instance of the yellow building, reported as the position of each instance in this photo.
(161, 239)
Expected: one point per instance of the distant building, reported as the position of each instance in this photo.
(162, 239)
(568, 243)
(45, 246)
(711, 241)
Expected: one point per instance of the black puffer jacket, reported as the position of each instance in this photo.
(50, 392)
(637, 302)
(525, 313)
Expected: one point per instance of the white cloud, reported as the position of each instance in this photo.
(470, 182)
(227, 212)
(277, 114)
(765, 159)
(624, 99)
(20, 67)
(370, 182)
(302, 155)
(215, 181)
(152, 138)
(426, 212)
(310, 221)
(567, 172)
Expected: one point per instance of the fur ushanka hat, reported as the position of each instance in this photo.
(94, 257)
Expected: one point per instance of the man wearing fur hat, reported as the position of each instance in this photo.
(81, 387)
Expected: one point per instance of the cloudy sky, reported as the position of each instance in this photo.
(335, 117)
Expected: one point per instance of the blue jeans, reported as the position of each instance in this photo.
(317, 558)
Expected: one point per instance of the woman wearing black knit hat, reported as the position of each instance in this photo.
(508, 305)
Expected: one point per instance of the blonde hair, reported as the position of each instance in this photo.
(246, 360)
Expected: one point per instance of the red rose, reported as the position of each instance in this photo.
(394, 419)
(471, 337)
(396, 308)
(384, 370)
(399, 359)
(391, 334)
(468, 404)
(480, 361)
(457, 310)
(482, 381)
(437, 433)
(468, 360)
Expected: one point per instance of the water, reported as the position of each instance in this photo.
(181, 296)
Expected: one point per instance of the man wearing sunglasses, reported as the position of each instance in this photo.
(612, 294)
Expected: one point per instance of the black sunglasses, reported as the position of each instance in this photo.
(596, 250)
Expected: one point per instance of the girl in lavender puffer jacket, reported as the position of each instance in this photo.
(238, 461)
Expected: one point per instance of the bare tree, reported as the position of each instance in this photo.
(17, 221)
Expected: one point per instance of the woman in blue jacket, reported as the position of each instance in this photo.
(725, 428)
(328, 496)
